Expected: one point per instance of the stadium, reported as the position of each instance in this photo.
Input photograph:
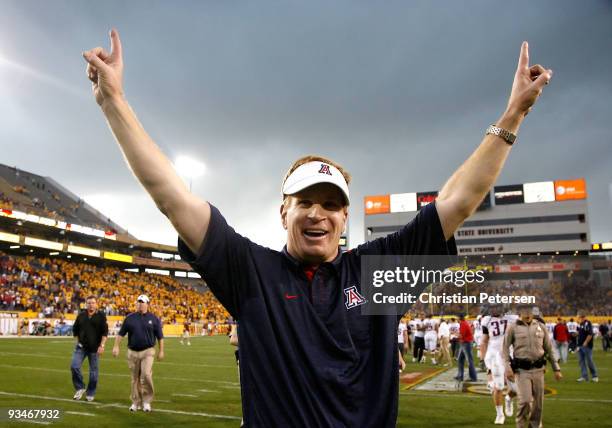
(223, 214)
(56, 250)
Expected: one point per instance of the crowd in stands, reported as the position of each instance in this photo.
(55, 287)
(559, 297)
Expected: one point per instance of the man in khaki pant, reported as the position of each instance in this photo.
(142, 328)
(532, 348)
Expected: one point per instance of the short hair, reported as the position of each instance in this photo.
(315, 158)
(91, 296)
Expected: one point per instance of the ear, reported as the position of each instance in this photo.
(346, 213)
(283, 214)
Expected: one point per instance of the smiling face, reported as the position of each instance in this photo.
(314, 219)
(92, 305)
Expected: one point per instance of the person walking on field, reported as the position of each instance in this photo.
(143, 329)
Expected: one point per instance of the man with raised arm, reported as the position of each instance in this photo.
(307, 355)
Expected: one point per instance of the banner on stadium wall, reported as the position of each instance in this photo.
(425, 198)
(32, 218)
(9, 237)
(570, 189)
(84, 251)
(118, 257)
(508, 194)
(42, 243)
(403, 202)
(537, 267)
(542, 191)
(380, 204)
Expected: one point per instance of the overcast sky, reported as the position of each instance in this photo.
(399, 92)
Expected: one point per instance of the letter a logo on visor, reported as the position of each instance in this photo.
(325, 169)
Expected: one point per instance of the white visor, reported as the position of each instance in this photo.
(312, 173)
(143, 298)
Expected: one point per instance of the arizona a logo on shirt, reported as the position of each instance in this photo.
(353, 298)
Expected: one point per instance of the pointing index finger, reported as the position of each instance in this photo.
(524, 56)
(116, 53)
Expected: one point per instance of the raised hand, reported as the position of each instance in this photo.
(106, 70)
(528, 83)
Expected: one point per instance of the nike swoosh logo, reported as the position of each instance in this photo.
(290, 296)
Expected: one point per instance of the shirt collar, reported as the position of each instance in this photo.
(335, 263)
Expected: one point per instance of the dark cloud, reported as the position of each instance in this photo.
(399, 92)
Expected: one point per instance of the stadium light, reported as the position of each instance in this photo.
(189, 168)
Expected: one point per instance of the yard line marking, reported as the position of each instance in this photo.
(99, 405)
(463, 395)
(67, 357)
(102, 406)
(185, 395)
(207, 390)
(182, 379)
(33, 422)
(80, 413)
(44, 397)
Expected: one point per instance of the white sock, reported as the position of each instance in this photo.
(499, 410)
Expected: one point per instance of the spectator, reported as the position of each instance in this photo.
(561, 337)
(585, 350)
(466, 339)
(91, 331)
(604, 330)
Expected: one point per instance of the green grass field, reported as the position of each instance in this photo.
(198, 386)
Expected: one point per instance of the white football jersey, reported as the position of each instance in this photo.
(454, 329)
(572, 326)
(430, 325)
(496, 329)
(401, 328)
(416, 324)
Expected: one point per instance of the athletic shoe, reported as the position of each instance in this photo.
(580, 379)
(79, 394)
(188, 343)
(134, 407)
(423, 360)
(414, 360)
(499, 420)
(90, 398)
(146, 407)
(509, 406)
(433, 361)
(595, 379)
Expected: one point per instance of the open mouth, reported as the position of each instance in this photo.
(315, 233)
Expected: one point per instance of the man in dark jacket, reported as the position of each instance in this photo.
(91, 331)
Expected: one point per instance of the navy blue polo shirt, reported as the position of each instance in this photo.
(142, 330)
(305, 359)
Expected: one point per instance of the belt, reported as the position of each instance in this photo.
(524, 364)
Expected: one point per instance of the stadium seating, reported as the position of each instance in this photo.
(56, 287)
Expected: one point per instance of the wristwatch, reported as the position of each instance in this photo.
(506, 135)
